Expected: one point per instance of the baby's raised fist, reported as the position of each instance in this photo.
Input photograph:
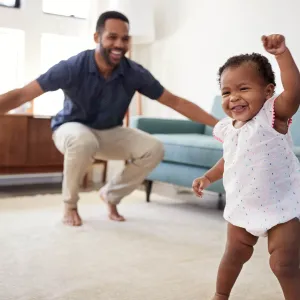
(274, 43)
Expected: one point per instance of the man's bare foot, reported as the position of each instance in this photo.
(113, 213)
(71, 217)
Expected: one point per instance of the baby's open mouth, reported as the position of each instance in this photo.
(238, 108)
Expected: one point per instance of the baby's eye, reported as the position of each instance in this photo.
(225, 94)
(244, 88)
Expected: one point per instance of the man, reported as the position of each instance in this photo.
(98, 86)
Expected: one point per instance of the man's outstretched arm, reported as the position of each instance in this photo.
(17, 97)
(187, 108)
(57, 77)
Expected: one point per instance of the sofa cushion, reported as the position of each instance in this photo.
(192, 149)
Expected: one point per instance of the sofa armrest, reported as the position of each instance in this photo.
(160, 126)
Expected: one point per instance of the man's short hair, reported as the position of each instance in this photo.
(109, 15)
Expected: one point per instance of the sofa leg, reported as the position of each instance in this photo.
(148, 185)
(221, 202)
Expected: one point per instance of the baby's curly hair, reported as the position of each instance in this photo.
(263, 65)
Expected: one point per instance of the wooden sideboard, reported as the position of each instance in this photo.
(26, 145)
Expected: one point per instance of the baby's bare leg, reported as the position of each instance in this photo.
(284, 244)
(239, 249)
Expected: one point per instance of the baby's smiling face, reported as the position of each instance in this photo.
(244, 92)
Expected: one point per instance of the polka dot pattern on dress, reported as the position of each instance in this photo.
(261, 174)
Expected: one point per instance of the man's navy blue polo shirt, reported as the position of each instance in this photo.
(92, 100)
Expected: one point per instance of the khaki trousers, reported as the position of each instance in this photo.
(80, 144)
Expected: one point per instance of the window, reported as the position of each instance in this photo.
(55, 48)
(12, 43)
(69, 8)
(10, 3)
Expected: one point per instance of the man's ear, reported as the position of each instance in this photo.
(97, 37)
(269, 90)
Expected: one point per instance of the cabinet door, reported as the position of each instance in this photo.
(13, 140)
(41, 148)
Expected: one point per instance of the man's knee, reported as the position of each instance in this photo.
(158, 150)
(155, 152)
(284, 263)
(72, 140)
(81, 141)
(151, 154)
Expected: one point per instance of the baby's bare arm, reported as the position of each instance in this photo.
(216, 172)
(287, 104)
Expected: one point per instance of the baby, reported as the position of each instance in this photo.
(260, 171)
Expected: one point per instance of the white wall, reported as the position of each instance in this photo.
(195, 37)
(34, 22)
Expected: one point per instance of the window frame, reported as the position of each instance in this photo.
(62, 15)
(16, 5)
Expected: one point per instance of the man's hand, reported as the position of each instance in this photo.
(274, 44)
(199, 184)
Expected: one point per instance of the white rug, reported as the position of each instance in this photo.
(167, 250)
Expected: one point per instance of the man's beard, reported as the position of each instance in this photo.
(105, 54)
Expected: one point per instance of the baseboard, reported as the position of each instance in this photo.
(23, 179)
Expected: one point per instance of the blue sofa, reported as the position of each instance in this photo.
(190, 149)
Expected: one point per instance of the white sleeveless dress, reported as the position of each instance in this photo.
(261, 173)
